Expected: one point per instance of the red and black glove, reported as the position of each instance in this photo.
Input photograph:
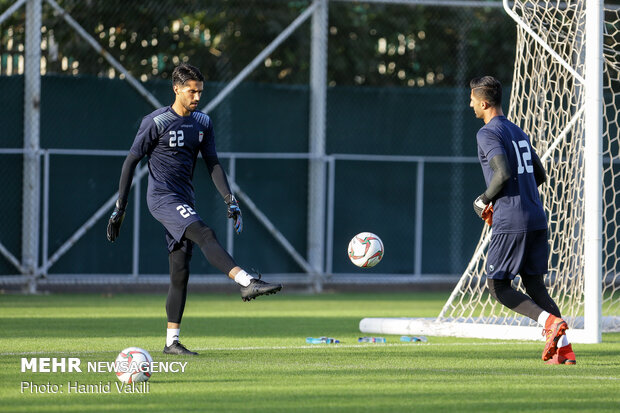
(484, 209)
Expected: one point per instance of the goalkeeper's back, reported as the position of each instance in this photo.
(518, 207)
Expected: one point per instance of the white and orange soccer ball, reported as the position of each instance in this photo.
(133, 365)
(365, 250)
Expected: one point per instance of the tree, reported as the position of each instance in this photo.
(369, 44)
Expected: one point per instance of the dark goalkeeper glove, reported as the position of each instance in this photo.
(115, 221)
(484, 208)
(234, 212)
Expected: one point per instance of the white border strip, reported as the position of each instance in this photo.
(429, 327)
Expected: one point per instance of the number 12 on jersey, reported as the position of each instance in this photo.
(524, 159)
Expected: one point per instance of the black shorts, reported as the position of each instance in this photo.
(175, 215)
(525, 253)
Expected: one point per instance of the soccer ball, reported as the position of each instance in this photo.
(365, 250)
(133, 365)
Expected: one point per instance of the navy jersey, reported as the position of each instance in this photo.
(172, 143)
(518, 207)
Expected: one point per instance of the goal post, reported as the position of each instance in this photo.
(593, 170)
(565, 95)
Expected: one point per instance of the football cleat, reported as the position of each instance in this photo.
(179, 349)
(555, 328)
(258, 287)
(565, 355)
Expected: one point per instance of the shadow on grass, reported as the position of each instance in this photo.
(154, 326)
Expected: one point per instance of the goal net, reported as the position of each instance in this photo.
(548, 101)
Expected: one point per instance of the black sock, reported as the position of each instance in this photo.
(503, 292)
(177, 290)
(535, 288)
(204, 237)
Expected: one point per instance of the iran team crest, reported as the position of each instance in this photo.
(200, 136)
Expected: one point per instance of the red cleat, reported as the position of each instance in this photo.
(555, 328)
(565, 355)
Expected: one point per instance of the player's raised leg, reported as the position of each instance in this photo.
(252, 287)
(205, 238)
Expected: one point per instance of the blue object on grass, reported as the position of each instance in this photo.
(414, 339)
(371, 340)
(319, 340)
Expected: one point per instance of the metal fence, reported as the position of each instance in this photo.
(376, 114)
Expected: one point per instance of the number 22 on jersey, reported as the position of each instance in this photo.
(176, 138)
(185, 210)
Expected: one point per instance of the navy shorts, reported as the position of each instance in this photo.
(524, 253)
(175, 215)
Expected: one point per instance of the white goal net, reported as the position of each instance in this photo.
(548, 101)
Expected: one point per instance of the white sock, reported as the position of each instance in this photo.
(243, 278)
(542, 318)
(563, 341)
(172, 335)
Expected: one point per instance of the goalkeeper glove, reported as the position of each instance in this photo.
(115, 221)
(487, 214)
(234, 212)
(484, 208)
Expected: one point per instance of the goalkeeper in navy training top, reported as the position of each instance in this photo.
(171, 137)
(511, 204)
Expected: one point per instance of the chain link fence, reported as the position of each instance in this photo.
(399, 135)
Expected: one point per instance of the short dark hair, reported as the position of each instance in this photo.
(487, 88)
(184, 72)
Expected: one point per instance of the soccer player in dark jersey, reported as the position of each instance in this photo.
(511, 204)
(171, 137)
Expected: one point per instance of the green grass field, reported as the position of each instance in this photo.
(253, 357)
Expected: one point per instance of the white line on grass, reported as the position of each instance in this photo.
(365, 345)
(303, 347)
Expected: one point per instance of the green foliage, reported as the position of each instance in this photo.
(369, 43)
(404, 45)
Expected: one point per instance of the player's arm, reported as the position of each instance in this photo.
(209, 154)
(124, 185)
(501, 175)
(145, 140)
(217, 175)
(221, 183)
(539, 170)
